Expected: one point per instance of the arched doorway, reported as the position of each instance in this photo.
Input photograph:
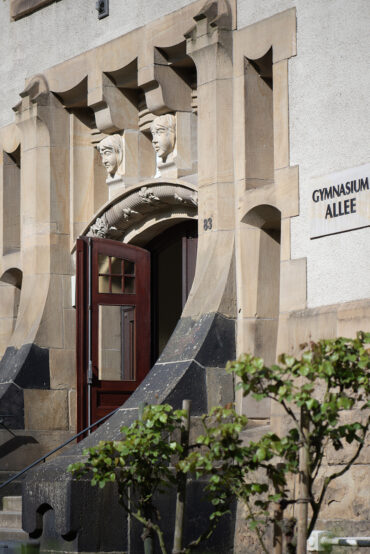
(129, 299)
(173, 257)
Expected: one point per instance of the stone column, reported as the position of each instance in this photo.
(44, 127)
(209, 43)
(38, 359)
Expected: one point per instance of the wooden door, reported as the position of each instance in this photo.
(113, 342)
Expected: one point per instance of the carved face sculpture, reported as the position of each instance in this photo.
(164, 136)
(111, 153)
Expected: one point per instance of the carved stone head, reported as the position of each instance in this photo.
(111, 151)
(163, 131)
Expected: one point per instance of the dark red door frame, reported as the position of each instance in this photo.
(107, 395)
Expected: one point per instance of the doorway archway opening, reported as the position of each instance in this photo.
(129, 300)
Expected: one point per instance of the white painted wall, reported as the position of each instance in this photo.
(60, 31)
(329, 84)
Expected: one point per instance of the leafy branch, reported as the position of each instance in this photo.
(330, 380)
(140, 464)
(331, 377)
(144, 463)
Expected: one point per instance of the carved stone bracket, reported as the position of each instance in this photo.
(113, 110)
(164, 90)
(110, 78)
(136, 205)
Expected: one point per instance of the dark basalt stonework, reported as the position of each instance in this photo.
(21, 369)
(12, 405)
(196, 522)
(27, 367)
(83, 518)
(210, 340)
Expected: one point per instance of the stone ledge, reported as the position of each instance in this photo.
(21, 8)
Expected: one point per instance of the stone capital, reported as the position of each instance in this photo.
(213, 24)
(35, 93)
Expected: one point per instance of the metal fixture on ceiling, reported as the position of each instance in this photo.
(102, 7)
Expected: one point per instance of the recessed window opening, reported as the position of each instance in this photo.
(11, 201)
(259, 124)
(266, 221)
(262, 239)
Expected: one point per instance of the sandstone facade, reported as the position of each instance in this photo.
(250, 106)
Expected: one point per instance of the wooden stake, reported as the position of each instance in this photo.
(278, 520)
(147, 535)
(181, 489)
(303, 486)
(278, 533)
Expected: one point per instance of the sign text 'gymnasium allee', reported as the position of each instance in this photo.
(340, 202)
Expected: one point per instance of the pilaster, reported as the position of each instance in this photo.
(209, 44)
(44, 125)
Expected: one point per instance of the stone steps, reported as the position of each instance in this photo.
(12, 536)
(12, 503)
(10, 519)
(13, 489)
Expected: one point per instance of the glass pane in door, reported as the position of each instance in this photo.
(116, 275)
(116, 343)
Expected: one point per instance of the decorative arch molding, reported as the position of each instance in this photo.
(146, 204)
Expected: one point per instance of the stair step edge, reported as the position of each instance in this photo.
(10, 520)
(12, 503)
(8, 534)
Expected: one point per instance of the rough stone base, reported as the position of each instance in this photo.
(72, 516)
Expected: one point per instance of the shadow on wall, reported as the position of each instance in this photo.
(263, 226)
(14, 443)
(262, 229)
(10, 287)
